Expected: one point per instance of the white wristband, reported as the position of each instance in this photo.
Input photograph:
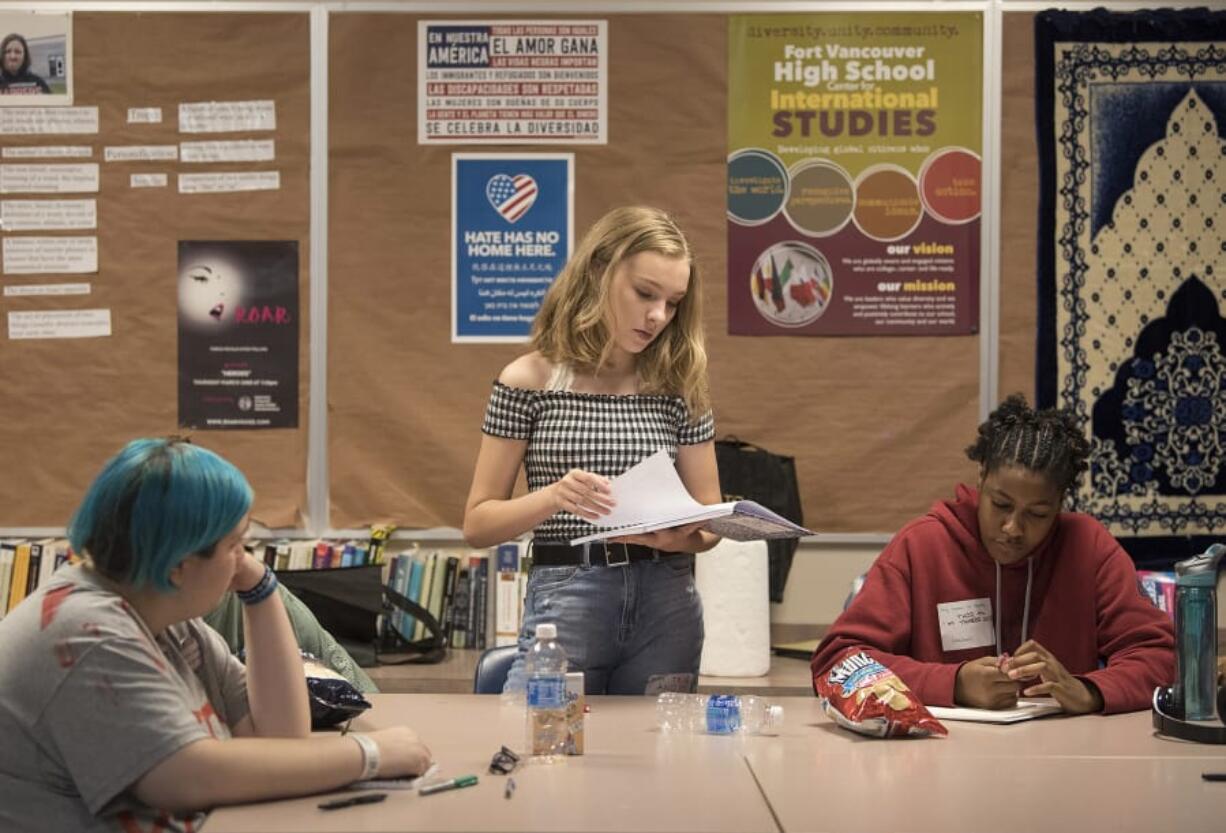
(370, 756)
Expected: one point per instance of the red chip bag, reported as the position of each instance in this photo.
(863, 695)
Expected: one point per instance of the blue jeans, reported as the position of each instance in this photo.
(635, 629)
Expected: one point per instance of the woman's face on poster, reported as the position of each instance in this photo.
(14, 56)
(209, 292)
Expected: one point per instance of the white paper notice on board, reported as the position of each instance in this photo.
(148, 181)
(48, 215)
(26, 121)
(254, 150)
(227, 116)
(230, 181)
(141, 153)
(50, 255)
(144, 115)
(46, 289)
(81, 178)
(60, 323)
(512, 81)
(48, 152)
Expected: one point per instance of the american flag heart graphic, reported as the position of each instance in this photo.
(511, 196)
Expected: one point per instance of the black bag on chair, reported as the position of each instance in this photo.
(747, 471)
(348, 602)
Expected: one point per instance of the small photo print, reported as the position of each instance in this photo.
(35, 58)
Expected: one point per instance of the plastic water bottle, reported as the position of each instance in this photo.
(545, 669)
(717, 714)
(1195, 689)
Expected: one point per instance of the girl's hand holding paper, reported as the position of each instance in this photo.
(676, 539)
(584, 494)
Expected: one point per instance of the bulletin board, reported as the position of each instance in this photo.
(877, 425)
(68, 404)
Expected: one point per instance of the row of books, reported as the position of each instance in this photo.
(26, 564)
(318, 554)
(476, 597)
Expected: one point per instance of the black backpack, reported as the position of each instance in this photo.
(749, 471)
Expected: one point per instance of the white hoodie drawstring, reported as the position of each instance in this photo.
(1025, 608)
(997, 563)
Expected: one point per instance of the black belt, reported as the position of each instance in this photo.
(600, 554)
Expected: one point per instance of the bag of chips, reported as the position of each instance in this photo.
(862, 695)
(333, 698)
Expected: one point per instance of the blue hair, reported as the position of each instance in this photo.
(153, 504)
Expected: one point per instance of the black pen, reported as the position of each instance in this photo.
(1213, 776)
(364, 798)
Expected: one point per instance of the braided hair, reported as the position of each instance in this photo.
(1048, 441)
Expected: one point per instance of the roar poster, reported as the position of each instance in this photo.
(238, 334)
(854, 183)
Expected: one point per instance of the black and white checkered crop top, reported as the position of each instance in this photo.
(602, 433)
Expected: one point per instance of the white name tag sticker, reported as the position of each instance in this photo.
(966, 624)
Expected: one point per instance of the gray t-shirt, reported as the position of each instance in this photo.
(90, 701)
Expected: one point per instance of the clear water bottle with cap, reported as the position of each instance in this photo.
(717, 714)
(545, 670)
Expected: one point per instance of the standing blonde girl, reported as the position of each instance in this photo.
(618, 371)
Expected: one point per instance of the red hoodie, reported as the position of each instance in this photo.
(1085, 606)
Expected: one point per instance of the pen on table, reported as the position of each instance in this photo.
(1213, 776)
(510, 791)
(365, 798)
(450, 784)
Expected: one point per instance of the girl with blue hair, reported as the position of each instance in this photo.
(119, 708)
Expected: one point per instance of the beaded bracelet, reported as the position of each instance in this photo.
(266, 586)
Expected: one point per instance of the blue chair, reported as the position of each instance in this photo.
(492, 668)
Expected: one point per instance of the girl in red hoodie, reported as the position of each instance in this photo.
(999, 593)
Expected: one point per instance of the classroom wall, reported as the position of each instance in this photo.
(898, 432)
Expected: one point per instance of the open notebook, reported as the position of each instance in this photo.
(1025, 710)
(651, 496)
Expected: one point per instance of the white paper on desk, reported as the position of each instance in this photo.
(395, 783)
(1025, 710)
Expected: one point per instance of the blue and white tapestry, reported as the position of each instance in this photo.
(1131, 112)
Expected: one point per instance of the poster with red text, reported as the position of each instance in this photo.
(854, 176)
(238, 334)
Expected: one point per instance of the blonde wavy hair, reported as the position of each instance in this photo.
(572, 326)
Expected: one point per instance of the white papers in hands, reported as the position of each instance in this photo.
(1024, 710)
(651, 496)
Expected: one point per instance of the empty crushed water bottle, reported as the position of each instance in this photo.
(513, 692)
(717, 714)
(545, 668)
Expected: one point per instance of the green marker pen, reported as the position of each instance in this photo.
(451, 784)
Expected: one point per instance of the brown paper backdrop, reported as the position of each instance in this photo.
(68, 404)
(1019, 187)
(877, 425)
